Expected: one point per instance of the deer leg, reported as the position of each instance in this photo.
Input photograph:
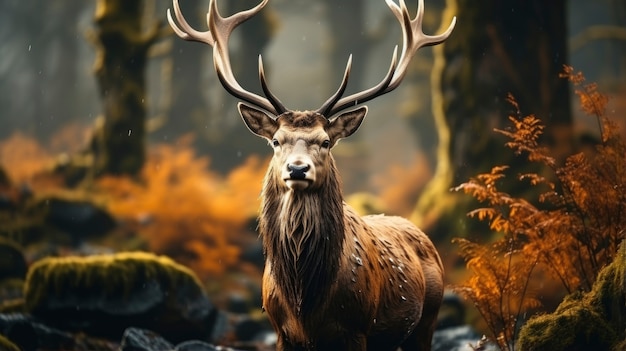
(348, 343)
(282, 344)
(421, 337)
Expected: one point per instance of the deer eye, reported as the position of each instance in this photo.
(326, 144)
(275, 143)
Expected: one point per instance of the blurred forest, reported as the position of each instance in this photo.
(135, 121)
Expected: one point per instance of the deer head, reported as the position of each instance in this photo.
(327, 273)
(302, 139)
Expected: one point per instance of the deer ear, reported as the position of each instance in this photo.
(346, 124)
(258, 121)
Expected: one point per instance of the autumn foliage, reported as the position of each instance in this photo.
(571, 231)
(177, 206)
(182, 209)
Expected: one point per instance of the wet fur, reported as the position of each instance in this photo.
(337, 281)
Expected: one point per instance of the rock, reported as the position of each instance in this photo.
(79, 218)
(248, 328)
(7, 345)
(238, 303)
(591, 321)
(12, 261)
(28, 334)
(103, 295)
(13, 269)
(136, 339)
(196, 345)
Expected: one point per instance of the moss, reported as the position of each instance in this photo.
(574, 328)
(584, 321)
(7, 345)
(608, 294)
(102, 295)
(12, 306)
(108, 275)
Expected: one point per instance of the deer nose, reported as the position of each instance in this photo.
(298, 171)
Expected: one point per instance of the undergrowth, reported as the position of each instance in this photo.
(571, 231)
(183, 210)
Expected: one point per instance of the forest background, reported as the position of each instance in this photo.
(183, 178)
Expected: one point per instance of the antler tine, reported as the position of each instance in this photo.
(366, 95)
(187, 32)
(327, 106)
(220, 29)
(280, 108)
(413, 38)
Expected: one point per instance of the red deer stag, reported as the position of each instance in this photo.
(332, 280)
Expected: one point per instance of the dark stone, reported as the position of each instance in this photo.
(237, 303)
(136, 339)
(29, 334)
(248, 329)
(195, 345)
(12, 261)
(221, 326)
(79, 218)
(103, 295)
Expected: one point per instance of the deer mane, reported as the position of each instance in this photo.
(303, 235)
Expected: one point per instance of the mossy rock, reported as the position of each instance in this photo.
(7, 345)
(103, 295)
(12, 306)
(608, 293)
(592, 321)
(577, 328)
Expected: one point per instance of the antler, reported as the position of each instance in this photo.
(217, 36)
(413, 38)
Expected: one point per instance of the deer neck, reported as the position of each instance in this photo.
(303, 234)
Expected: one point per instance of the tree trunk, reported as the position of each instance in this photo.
(119, 146)
(497, 47)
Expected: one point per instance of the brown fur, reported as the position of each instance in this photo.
(334, 280)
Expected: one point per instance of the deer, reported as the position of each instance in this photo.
(333, 280)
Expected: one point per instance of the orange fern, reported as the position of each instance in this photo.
(572, 231)
(183, 210)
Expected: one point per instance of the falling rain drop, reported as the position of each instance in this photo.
(130, 132)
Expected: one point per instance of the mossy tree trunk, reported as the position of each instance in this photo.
(497, 47)
(119, 146)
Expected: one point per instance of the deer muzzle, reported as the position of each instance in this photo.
(298, 174)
